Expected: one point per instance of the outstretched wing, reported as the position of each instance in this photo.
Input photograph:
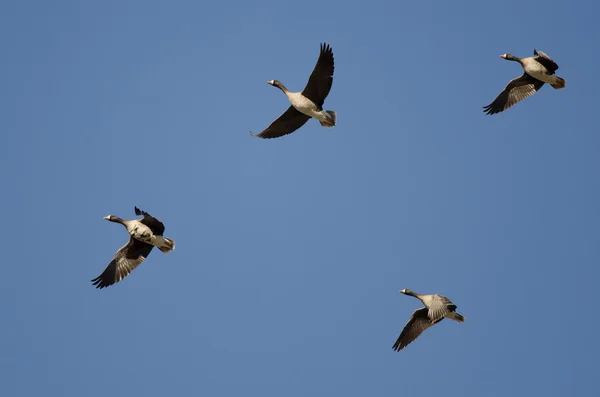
(157, 227)
(127, 258)
(285, 124)
(321, 79)
(419, 322)
(517, 89)
(545, 60)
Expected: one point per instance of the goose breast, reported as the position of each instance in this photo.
(141, 232)
(303, 104)
(538, 71)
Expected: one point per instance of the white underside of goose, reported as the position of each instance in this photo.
(308, 107)
(538, 71)
(141, 232)
(546, 78)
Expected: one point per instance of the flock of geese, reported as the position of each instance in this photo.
(147, 233)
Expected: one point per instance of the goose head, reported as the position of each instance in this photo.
(277, 83)
(405, 291)
(509, 57)
(112, 218)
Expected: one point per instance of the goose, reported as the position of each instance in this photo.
(145, 234)
(538, 70)
(308, 103)
(436, 308)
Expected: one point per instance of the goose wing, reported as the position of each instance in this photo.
(157, 227)
(517, 89)
(285, 124)
(321, 79)
(545, 60)
(419, 322)
(439, 307)
(127, 258)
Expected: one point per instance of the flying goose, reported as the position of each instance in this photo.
(538, 70)
(308, 103)
(436, 308)
(145, 234)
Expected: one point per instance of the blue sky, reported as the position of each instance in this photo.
(290, 252)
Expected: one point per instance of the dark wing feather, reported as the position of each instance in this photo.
(285, 124)
(545, 60)
(154, 224)
(419, 322)
(127, 258)
(517, 89)
(321, 79)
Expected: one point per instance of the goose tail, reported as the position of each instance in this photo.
(456, 317)
(165, 244)
(559, 83)
(331, 117)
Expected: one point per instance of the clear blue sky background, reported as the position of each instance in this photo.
(290, 252)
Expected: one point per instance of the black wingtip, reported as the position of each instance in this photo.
(258, 135)
(326, 47)
(97, 282)
(488, 110)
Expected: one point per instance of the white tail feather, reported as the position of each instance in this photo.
(164, 244)
(455, 316)
(559, 83)
(331, 118)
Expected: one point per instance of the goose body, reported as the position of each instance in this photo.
(308, 103)
(145, 234)
(307, 107)
(437, 307)
(537, 71)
